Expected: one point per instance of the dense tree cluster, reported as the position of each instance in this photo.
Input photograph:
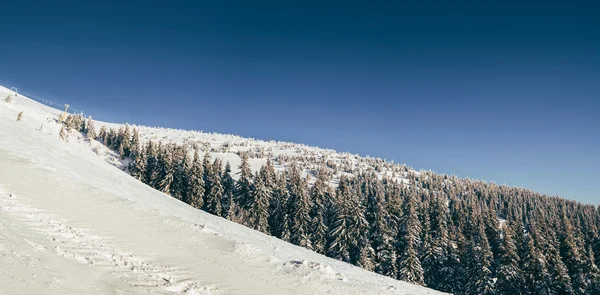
(454, 235)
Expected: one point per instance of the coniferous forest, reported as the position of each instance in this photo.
(455, 235)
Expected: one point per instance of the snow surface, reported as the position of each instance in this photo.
(72, 222)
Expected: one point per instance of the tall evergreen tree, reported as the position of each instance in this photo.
(243, 189)
(409, 265)
(299, 208)
(166, 169)
(228, 183)
(510, 277)
(195, 194)
(278, 217)
(90, 131)
(478, 262)
(320, 196)
(259, 212)
(436, 253)
(340, 232)
(212, 203)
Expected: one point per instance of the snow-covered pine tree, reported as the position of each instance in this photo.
(166, 169)
(536, 277)
(339, 233)
(195, 194)
(135, 146)
(381, 233)
(90, 129)
(299, 209)
(509, 275)
(137, 168)
(478, 262)
(278, 220)
(125, 141)
(212, 202)
(179, 185)
(229, 208)
(152, 165)
(102, 135)
(592, 273)
(409, 265)
(435, 256)
(571, 253)
(243, 188)
(259, 210)
(320, 195)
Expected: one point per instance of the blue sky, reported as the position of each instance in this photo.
(502, 91)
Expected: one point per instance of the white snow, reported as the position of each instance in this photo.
(72, 222)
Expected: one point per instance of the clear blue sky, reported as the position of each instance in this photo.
(496, 90)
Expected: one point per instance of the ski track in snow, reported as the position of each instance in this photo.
(95, 251)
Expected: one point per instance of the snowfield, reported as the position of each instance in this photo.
(72, 222)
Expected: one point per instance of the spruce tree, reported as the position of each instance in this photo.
(166, 169)
(278, 217)
(320, 196)
(299, 210)
(381, 233)
(90, 130)
(243, 188)
(227, 202)
(212, 203)
(571, 252)
(478, 262)
(137, 168)
(259, 212)
(510, 277)
(409, 265)
(179, 186)
(152, 166)
(436, 254)
(195, 194)
(340, 231)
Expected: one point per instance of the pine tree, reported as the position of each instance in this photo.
(135, 145)
(125, 141)
(320, 195)
(179, 186)
(243, 189)
(478, 261)
(592, 273)
(572, 254)
(340, 231)
(436, 253)
(259, 212)
(227, 202)
(195, 194)
(91, 129)
(299, 208)
(166, 169)
(213, 198)
(409, 265)
(102, 135)
(137, 168)
(535, 270)
(278, 219)
(152, 165)
(510, 277)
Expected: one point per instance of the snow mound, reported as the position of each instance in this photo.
(310, 270)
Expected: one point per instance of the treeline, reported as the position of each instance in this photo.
(450, 234)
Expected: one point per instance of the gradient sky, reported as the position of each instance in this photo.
(495, 90)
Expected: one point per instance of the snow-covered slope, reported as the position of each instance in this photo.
(73, 223)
